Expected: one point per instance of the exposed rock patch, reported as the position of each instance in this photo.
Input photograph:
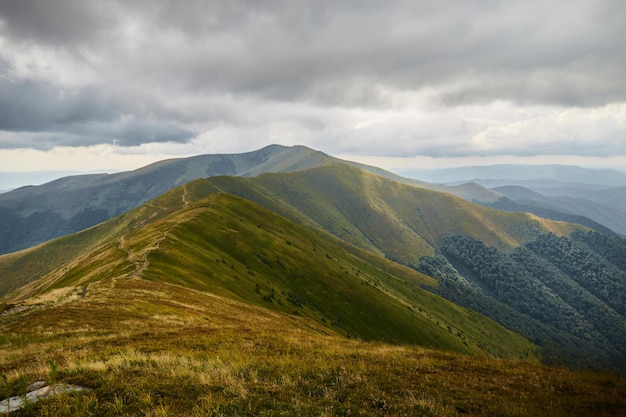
(36, 391)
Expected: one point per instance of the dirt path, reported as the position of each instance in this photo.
(185, 196)
(141, 260)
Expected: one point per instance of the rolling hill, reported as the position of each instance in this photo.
(31, 215)
(398, 221)
(409, 224)
(34, 214)
(240, 295)
(598, 209)
(140, 347)
(392, 220)
(235, 249)
(557, 192)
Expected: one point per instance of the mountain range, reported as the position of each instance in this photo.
(291, 248)
(594, 197)
(530, 176)
(33, 214)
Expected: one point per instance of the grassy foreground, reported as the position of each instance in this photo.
(153, 349)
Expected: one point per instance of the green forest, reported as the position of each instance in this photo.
(565, 294)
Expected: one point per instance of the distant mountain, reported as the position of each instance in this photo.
(592, 197)
(34, 214)
(614, 197)
(392, 219)
(603, 209)
(484, 259)
(529, 176)
(396, 220)
(525, 272)
(10, 180)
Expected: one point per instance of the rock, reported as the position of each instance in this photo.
(36, 391)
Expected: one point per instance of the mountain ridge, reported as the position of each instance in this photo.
(603, 207)
(31, 215)
(233, 248)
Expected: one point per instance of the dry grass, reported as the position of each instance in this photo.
(150, 349)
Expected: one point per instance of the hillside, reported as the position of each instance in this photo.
(566, 294)
(141, 347)
(391, 220)
(202, 302)
(34, 214)
(406, 224)
(233, 248)
(31, 215)
(396, 220)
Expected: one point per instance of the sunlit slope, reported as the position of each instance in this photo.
(396, 220)
(143, 347)
(54, 257)
(231, 247)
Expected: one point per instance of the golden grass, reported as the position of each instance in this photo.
(152, 349)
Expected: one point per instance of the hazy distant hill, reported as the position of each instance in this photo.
(529, 176)
(31, 215)
(565, 191)
(602, 207)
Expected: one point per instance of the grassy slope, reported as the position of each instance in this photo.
(154, 349)
(400, 221)
(365, 302)
(382, 216)
(232, 247)
(20, 268)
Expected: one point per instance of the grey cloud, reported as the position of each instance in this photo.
(29, 105)
(486, 50)
(163, 68)
(78, 116)
(58, 22)
(294, 50)
(122, 133)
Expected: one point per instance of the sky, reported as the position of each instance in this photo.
(115, 85)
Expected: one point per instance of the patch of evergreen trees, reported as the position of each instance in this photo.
(566, 294)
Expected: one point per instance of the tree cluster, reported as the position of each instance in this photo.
(566, 294)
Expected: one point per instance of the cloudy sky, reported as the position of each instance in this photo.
(113, 84)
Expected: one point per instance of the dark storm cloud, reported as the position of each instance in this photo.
(80, 116)
(151, 71)
(30, 105)
(539, 52)
(58, 22)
